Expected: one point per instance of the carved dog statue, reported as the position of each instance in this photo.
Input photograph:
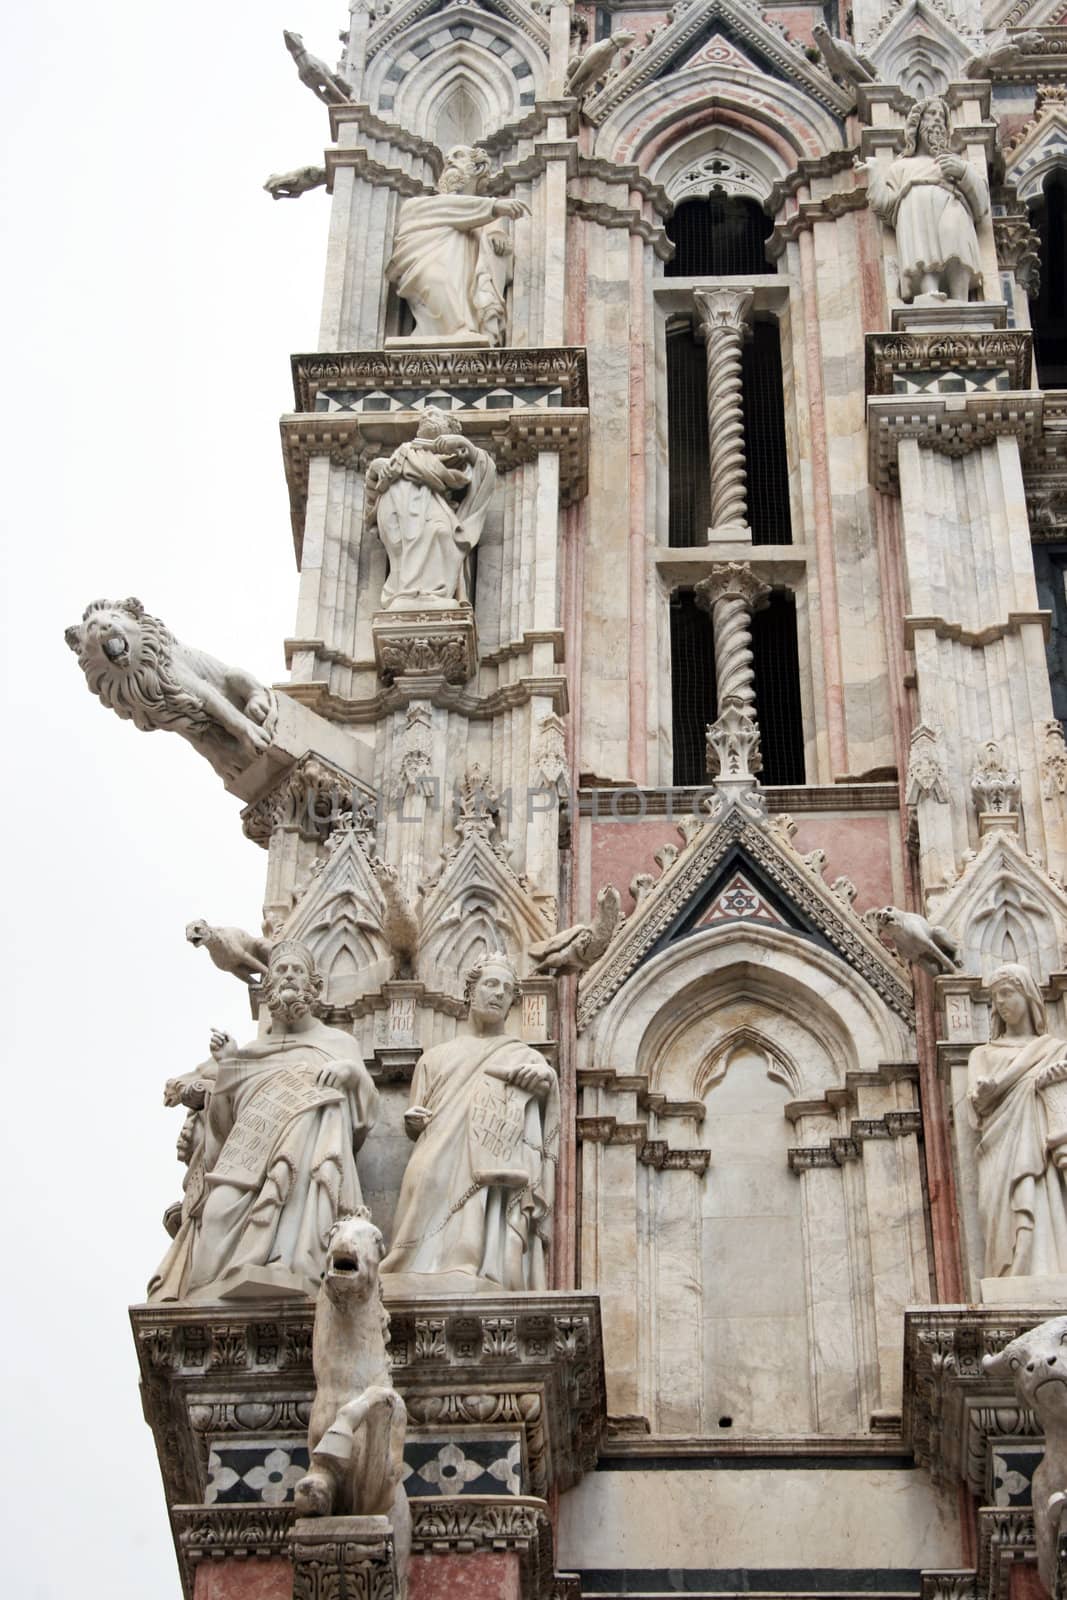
(915, 939)
(358, 1421)
(1038, 1363)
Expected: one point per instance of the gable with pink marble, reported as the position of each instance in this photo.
(864, 848)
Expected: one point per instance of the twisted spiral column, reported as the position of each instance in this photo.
(731, 592)
(724, 320)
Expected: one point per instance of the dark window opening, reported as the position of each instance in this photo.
(1050, 570)
(777, 683)
(764, 404)
(692, 687)
(722, 236)
(1048, 313)
(689, 480)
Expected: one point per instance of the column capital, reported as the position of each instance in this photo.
(727, 309)
(732, 580)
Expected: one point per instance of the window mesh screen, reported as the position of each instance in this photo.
(721, 236)
(1049, 312)
(692, 687)
(777, 685)
(764, 404)
(687, 440)
(1050, 570)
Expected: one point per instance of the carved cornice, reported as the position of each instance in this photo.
(807, 170)
(511, 438)
(608, 216)
(891, 356)
(626, 173)
(625, 805)
(241, 1532)
(531, 1362)
(381, 370)
(953, 425)
(376, 127)
(894, 1125)
(1005, 1538)
(953, 1411)
(374, 172)
(318, 696)
(827, 208)
(976, 638)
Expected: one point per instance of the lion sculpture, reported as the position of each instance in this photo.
(135, 665)
(358, 1421)
(1037, 1361)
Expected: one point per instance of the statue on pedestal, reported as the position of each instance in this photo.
(475, 1205)
(452, 253)
(933, 198)
(428, 502)
(1013, 1086)
(273, 1155)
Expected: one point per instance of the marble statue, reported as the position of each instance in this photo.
(326, 85)
(428, 502)
(841, 58)
(476, 1200)
(916, 939)
(589, 68)
(135, 665)
(1037, 1361)
(576, 949)
(932, 198)
(231, 949)
(291, 185)
(358, 1421)
(452, 253)
(282, 1119)
(1022, 1190)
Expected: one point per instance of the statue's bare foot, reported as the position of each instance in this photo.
(313, 1495)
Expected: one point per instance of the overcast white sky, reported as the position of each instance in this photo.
(152, 295)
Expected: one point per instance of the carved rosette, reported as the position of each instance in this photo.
(732, 592)
(725, 317)
(426, 644)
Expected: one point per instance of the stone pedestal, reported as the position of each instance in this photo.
(343, 1558)
(426, 644)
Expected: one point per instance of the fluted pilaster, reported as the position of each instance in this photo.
(724, 319)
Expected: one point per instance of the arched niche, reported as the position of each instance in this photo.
(757, 1298)
(494, 69)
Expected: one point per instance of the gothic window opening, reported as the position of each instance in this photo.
(688, 466)
(692, 687)
(776, 664)
(1050, 570)
(765, 450)
(1049, 311)
(722, 236)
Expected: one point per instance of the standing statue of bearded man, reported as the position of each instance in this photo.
(452, 253)
(933, 198)
(273, 1164)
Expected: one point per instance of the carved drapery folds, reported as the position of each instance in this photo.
(732, 592)
(725, 318)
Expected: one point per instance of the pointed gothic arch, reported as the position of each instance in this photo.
(497, 70)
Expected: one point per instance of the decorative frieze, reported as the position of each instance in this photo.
(209, 1374)
(951, 424)
(894, 1125)
(947, 363)
(426, 644)
(343, 1558)
(403, 379)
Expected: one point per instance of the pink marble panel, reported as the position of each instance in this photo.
(485, 1575)
(253, 1578)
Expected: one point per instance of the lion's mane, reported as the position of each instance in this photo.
(147, 691)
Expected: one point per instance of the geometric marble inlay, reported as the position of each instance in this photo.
(740, 902)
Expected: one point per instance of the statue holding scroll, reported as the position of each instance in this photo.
(475, 1206)
(1015, 1086)
(271, 1148)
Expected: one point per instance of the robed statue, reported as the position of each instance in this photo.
(1014, 1086)
(428, 502)
(452, 253)
(475, 1207)
(271, 1147)
(932, 198)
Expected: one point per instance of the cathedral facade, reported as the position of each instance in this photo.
(653, 1136)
